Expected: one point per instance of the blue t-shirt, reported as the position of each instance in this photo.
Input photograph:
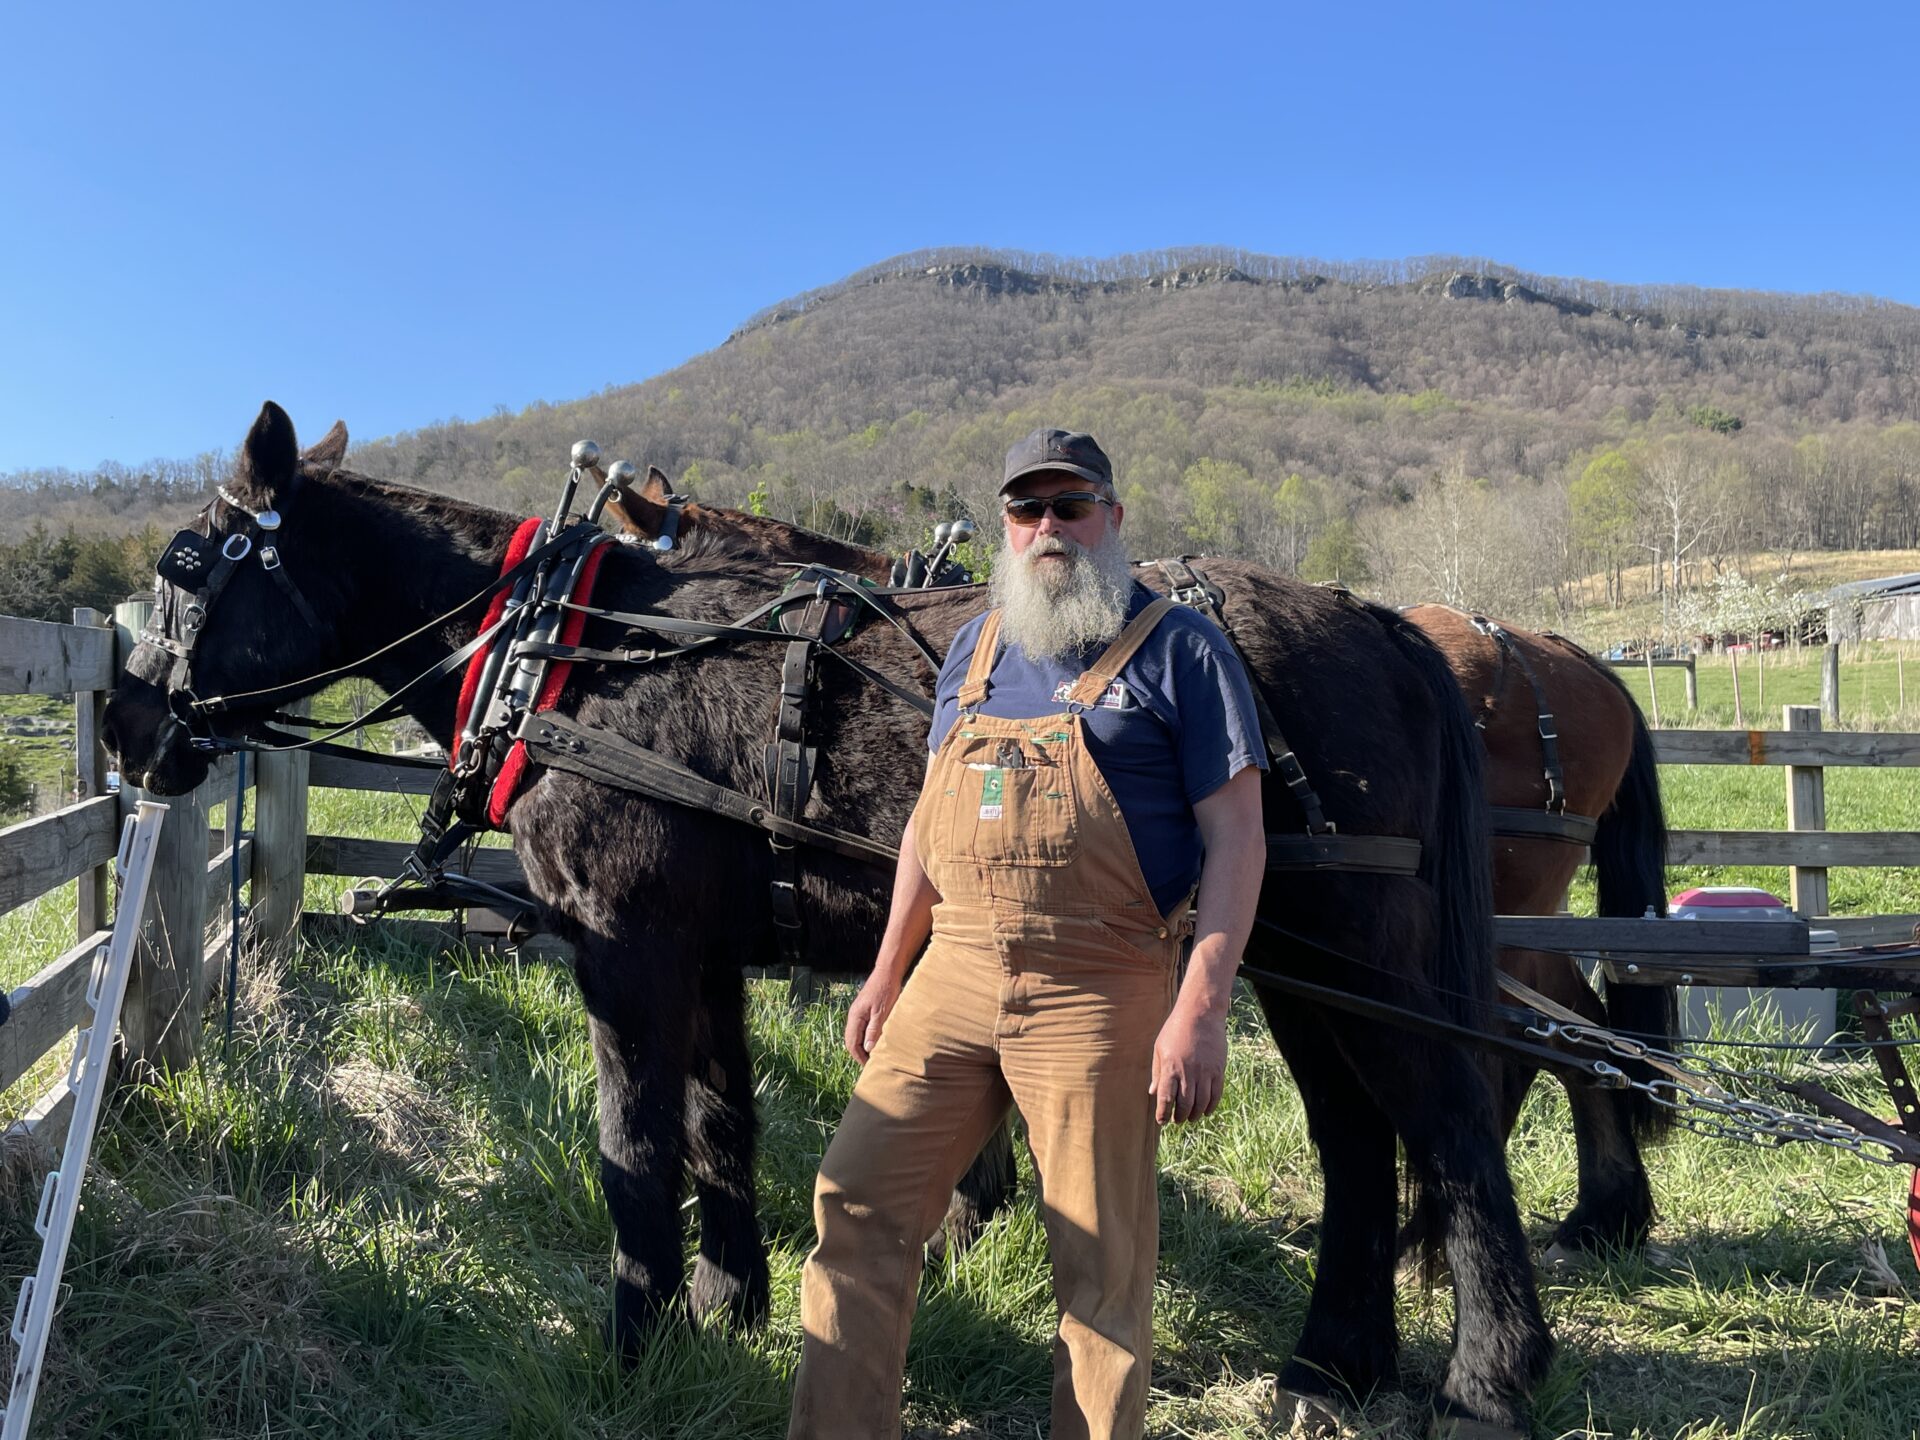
(1177, 724)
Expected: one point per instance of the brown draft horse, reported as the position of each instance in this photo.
(1609, 775)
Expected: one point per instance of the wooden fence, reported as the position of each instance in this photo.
(1801, 748)
(179, 962)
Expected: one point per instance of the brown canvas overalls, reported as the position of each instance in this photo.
(1046, 982)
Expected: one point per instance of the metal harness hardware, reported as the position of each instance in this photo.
(820, 608)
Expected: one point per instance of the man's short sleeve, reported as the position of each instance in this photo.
(953, 674)
(1216, 724)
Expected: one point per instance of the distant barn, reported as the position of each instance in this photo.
(1883, 609)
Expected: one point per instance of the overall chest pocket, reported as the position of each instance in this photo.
(1013, 802)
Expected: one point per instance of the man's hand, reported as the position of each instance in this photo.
(909, 922)
(1190, 1055)
(1189, 1065)
(868, 1015)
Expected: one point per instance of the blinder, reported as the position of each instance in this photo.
(189, 578)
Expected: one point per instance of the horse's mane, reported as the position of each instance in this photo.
(709, 533)
(716, 531)
(430, 505)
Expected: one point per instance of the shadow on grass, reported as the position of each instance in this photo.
(1711, 1338)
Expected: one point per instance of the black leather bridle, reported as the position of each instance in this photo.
(193, 572)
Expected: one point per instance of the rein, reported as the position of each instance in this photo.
(293, 690)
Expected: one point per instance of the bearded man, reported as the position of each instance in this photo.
(1096, 756)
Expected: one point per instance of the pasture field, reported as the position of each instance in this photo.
(378, 1213)
(44, 752)
(1870, 688)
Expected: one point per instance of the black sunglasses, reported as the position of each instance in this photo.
(1069, 506)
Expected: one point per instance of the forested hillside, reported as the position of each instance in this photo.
(1442, 428)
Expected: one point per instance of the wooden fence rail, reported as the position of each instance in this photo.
(75, 844)
(1806, 848)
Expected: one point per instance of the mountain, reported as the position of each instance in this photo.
(1263, 404)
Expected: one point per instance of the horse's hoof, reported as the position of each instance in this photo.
(963, 1226)
(741, 1302)
(1560, 1258)
(1313, 1416)
(1461, 1427)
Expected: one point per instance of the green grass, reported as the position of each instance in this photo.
(46, 760)
(1870, 688)
(379, 1214)
(1731, 797)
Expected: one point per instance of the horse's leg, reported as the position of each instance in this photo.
(1510, 1081)
(1615, 1204)
(640, 1017)
(1438, 1100)
(1349, 1340)
(983, 1192)
(730, 1272)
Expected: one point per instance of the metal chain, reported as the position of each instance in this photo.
(1707, 1109)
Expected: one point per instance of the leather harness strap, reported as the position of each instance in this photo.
(1322, 847)
(562, 743)
(790, 761)
(1516, 822)
(1186, 584)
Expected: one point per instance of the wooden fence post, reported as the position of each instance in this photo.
(1693, 684)
(89, 783)
(1653, 690)
(1806, 810)
(1830, 683)
(167, 989)
(280, 843)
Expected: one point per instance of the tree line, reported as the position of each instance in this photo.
(1428, 429)
(47, 575)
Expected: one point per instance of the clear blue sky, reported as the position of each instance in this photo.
(400, 213)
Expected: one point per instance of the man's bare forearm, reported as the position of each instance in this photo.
(1230, 879)
(910, 916)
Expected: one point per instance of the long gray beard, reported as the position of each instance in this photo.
(1052, 613)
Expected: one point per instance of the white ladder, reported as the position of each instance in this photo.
(86, 1077)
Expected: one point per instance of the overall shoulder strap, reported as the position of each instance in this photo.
(985, 646)
(1092, 685)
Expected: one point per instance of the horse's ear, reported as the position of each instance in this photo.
(326, 454)
(656, 487)
(269, 458)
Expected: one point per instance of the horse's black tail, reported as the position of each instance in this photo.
(1457, 859)
(1630, 863)
(1456, 862)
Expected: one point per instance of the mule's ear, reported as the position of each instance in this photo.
(656, 487)
(269, 458)
(326, 454)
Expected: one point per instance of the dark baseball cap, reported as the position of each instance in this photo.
(1045, 450)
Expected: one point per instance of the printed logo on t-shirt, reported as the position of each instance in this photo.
(1118, 696)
